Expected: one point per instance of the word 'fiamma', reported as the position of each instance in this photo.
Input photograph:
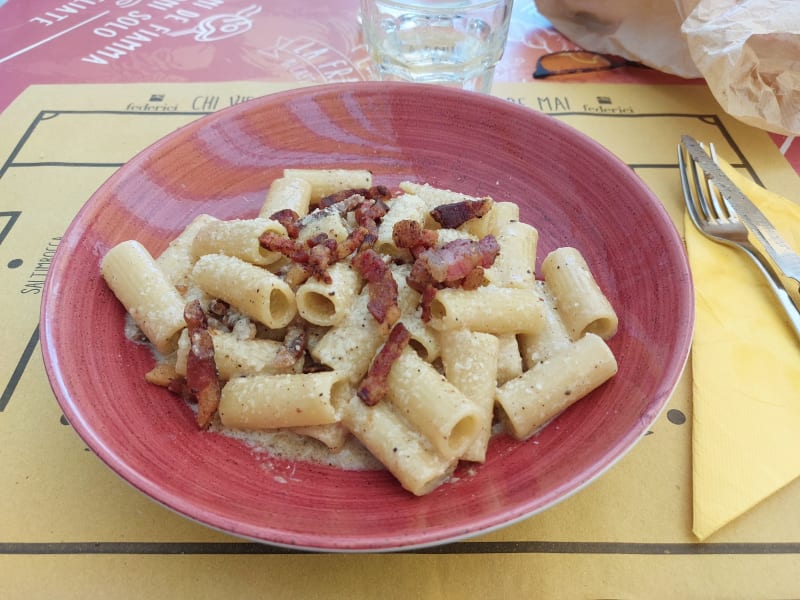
(159, 19)
(35, 281)
(126, 44)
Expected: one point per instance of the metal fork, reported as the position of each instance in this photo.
(715, 218)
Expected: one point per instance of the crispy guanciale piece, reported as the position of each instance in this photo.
(374, 387)
(473, 279)
(451, 264)
(381, 285)
(368, 215)
(291, 249)
(323, 253)
(428, 294)
(356, 239)
(290, 221)
(414, 237)
(456, 214)
(201, 370)
(378, 192)
(313, 257)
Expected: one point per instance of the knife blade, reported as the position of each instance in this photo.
(786, 259)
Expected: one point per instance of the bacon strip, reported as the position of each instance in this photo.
(456, 214)
(453, 263)
(374, 386)
(312, 258)
(290, 220)
(412, 236)
(381, 285)
(201, 370)
(291, 249)
(323, 253)
(355, 240)
(378, 192)
(428, 293)
(368, 215)
(456, 259)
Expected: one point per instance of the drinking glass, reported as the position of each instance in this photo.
(449, 42)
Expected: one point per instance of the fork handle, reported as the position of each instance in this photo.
(776, 285)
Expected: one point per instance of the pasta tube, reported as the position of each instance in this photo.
(333, 435)
(509, 359)
(325, 182)
(235, 357)
(541, 393)
(327, 222)
(580, 301)
(348, 347)
(275, 401)
(177, 259)
(424, 339)
(501, 214)
(402, 450)
(552, 336)
(433, 405)
(470, 364)
(490, 309)
(404, 208)
(514, 266)
(143, 289)
(255, 292)
(238, 238)
(287, 193)
(323, 303)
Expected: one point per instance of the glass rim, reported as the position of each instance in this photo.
(428, 5)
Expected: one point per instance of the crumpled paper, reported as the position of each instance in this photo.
(749, 53)
(747, 50)
(646, 31)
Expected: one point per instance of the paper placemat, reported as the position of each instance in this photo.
(69, 527)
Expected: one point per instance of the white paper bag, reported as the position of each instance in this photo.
(747, 50)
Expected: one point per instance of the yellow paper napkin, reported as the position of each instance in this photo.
(746, 372)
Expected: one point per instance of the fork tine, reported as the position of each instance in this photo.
(688, 195)
(721, 204)
(701, 191)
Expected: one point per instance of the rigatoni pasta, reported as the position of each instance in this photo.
(237, 238)
(532, 399)
(435, 407)
(258, 293)
(491, 309)
(470, 361)
(407, 322)
(581, 303)
(329, 181)
(287, 193)
(284, 400)
(328, 302)
(145, 292)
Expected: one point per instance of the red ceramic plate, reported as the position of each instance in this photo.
(574, 191)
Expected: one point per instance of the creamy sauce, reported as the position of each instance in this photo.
(292, 446)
